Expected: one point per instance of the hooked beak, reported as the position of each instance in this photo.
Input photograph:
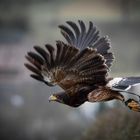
(52, 98)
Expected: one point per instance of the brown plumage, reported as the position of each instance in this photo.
(80, 67)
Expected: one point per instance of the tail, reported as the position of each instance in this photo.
(125, 85)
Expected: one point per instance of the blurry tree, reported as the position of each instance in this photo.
(129, 9)
(125, 8)
(35, 118)
(13, 20)
(115, 124)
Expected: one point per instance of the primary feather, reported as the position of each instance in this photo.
(81, 38)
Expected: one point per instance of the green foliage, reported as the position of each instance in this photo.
(115, 125)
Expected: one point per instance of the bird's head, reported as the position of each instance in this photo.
(60, 97)
(73, 100)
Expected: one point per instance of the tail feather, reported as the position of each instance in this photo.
(124, 83)
(130, 81)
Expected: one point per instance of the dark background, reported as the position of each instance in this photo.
(25, 113)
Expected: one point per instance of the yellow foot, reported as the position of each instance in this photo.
(133, 105)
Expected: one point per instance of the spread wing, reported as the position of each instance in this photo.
(78, 36)
(67, 66)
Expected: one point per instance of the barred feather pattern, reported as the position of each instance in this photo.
(67, 66)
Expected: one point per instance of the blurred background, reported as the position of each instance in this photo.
(25, 113)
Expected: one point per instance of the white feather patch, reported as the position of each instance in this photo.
(114, 81)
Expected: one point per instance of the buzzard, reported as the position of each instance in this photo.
(80, 67)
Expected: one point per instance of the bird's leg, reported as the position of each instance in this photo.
(106, 94)
(133, 105)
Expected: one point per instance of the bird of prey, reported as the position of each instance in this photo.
(80, 66)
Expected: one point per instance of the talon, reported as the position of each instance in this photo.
(133, 105)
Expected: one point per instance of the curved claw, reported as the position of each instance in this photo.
(133, 105)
